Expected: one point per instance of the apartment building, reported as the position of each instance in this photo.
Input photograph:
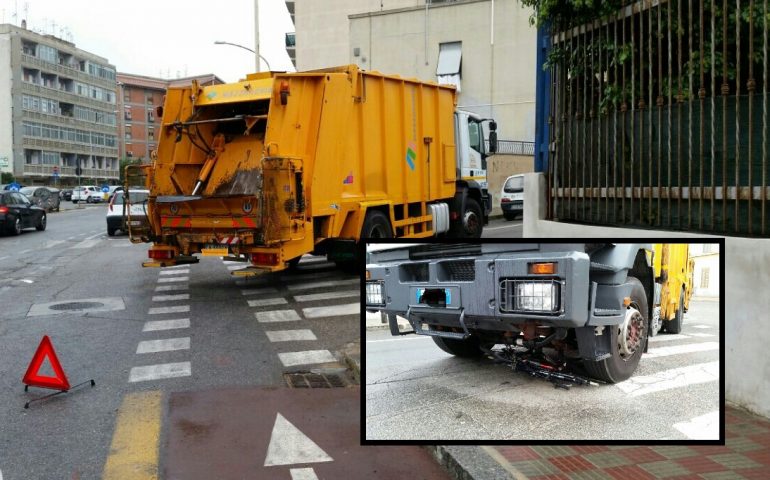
(57, 110)
(486, 48)
(138, 99)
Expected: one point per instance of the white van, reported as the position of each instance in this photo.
(512, 197)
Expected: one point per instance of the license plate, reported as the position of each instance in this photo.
(447, 293)
(135, 223)
(215, 252)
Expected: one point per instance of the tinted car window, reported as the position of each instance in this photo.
(137, 197)
(20, 199)
(514, 183)
(3, 200)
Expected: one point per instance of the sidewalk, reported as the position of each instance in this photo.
(745, 456)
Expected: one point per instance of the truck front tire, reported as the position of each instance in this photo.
(468, 348)
(617, 368)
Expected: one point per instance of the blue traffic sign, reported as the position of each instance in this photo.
(14, 187)
(105, 189)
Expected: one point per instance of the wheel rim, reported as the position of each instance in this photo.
(471, 222)
(42, 221)
(377, 231)
(630, 333)
(17, 226)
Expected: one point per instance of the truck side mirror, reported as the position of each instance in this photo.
(492, 140)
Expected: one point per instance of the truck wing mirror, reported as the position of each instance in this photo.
(492, 141)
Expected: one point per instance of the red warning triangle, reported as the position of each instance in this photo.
(59, 382)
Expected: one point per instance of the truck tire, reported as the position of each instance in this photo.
(460, 348)
(376, 225)
(675, 325)
(471, 221)
(620, 366)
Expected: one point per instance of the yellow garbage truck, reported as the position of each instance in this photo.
(283, 164)
(673, 286)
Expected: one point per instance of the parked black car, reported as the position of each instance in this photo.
(17, 212)
(66, 194)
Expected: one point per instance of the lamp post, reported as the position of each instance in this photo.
(220, 42)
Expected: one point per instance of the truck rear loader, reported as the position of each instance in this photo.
(283, 164)
(586, 303)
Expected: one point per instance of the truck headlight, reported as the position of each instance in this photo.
(375, 293)
(529, 296)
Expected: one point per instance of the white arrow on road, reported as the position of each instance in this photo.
(288, 445)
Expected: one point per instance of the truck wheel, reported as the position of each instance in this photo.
(628, 343)
(294, 262)
(675, 325)
(376, 225)
(470, 223)
(460, 348)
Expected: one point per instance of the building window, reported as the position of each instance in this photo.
(129, 153)
(704, 278)
(127, 113)
(149, 100)
(150, 115)
(449, 64)
(126, 95)
(151, 134)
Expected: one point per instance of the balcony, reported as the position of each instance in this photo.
(47, 171)
(65, 70)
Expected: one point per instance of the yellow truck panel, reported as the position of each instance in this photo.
(673, 271)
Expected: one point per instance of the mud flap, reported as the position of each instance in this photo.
(594, 347)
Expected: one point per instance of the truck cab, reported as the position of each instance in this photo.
(472, 154)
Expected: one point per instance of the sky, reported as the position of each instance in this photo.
(164, 38)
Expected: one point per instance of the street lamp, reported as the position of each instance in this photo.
(220, 42)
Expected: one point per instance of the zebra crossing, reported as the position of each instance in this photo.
(178, 278)
(272, 308)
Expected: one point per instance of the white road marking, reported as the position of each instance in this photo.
(308, 357)
(264, 302)
(184, 265)
(174, 309)
(238, 267)
(277, 316)
(514, 225)
(171, 298)
(701, 326)
(670, 379)
(24, 251)
(680, 349)
(257, 291)
(332, 311)
(233, 262)
(301, 277)
(157, 325)
(326, 296)
(86, 244)
(160, 372)
(290, 335)
(170, 288)
(666, 338)
(289, 446)
(26, 280)
(50, 244)
(306, 473)
(173, 279)
(324, 284)
(2, 258)
(94, 236)
(696, 334)
(175, 272)
(704, 427)
(313, 259)
(164, 345)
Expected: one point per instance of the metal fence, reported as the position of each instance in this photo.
(513, 147)
(658, 117)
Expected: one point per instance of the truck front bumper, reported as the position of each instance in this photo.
(494, 292)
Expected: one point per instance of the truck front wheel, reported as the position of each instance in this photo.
(471, 221)
(627, 343)
(459, 348)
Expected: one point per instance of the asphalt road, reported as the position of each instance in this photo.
(155, 341)
(499, 227)
(416, 391)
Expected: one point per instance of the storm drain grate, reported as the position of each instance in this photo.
(314, 380)
(76, 306)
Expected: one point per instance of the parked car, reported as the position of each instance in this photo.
(89, 194)
(17, 212)
(119, 212)
(66, 194)
(44, 197)
(512, 197)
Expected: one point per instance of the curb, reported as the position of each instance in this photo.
(470, 463)
(351, 356)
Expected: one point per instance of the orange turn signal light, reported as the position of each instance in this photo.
(368, 274)
(542, 268)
